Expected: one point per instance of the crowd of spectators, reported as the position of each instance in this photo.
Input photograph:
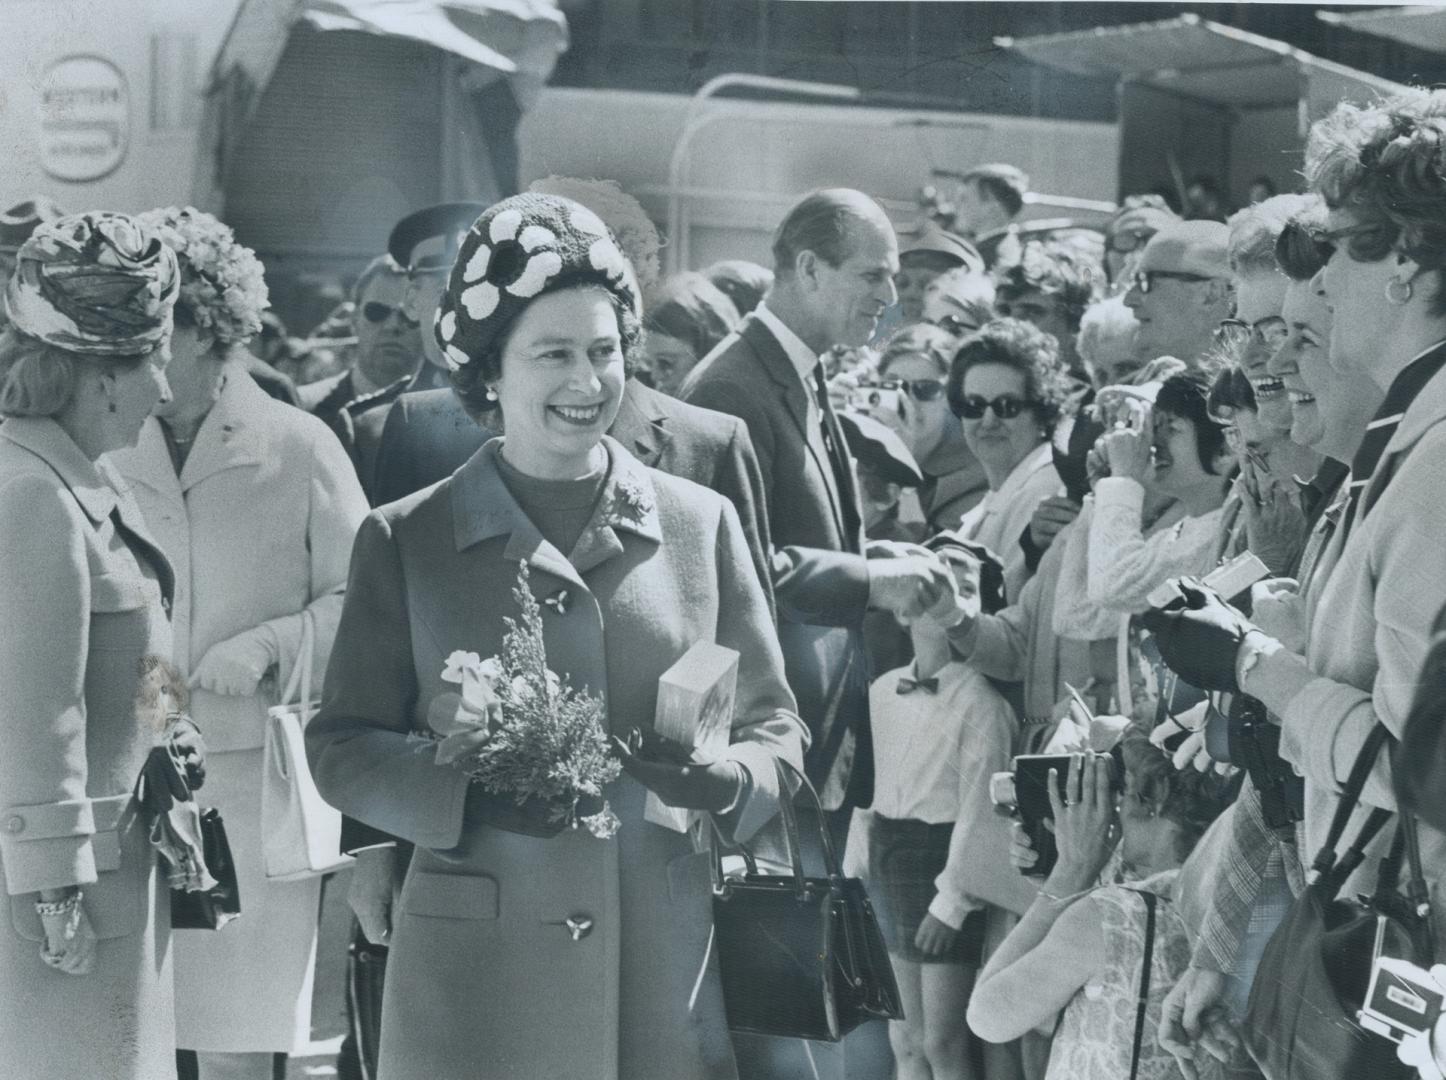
(979, 483)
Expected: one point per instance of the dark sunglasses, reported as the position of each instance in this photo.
(1005, 406)
(377, 312)
(1145, 279)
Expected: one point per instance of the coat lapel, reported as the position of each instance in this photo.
(96, 486)
(230, 436)
(483, 508)
(776, 362)
(640, 424)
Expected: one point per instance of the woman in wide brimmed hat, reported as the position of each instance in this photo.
(85, 959)
(512, 953)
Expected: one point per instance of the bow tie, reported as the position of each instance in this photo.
(908, 686)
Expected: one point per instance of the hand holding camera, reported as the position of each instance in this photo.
(1085, 823)
(1128, 445)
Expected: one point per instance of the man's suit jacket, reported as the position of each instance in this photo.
(353, 416)
(820, 575)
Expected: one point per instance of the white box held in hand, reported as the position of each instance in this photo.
(695, 712)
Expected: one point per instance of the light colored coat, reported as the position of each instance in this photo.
(259, 525)
(1000, 518)
(1374, 600)
(81, 601)
(483, 978)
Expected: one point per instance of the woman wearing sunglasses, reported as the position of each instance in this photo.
(916, 359)
(1006, 385)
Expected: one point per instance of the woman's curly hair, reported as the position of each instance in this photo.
(1189, 799)
(1018, 345)
(1387, 163)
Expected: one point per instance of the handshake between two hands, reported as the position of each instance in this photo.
(917, 584)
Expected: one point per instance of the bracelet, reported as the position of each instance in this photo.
(1071, 898)
(44, 908)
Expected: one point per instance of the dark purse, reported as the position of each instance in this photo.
(1301, 1021)
(800, 957)
(213, 908)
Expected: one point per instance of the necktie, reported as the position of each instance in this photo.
(838, 454)
(908, 686)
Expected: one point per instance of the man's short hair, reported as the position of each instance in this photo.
(821, 222)
(1003, 183)
(1255, 229)
(382, 264)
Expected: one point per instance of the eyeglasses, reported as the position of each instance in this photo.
(1145, 279)
(377, 312)
(1005, 406)
(922, 389)
(1270, 331)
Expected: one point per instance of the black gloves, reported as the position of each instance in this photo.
(1199, 636)
(189, 749)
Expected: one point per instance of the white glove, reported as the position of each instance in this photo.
(235, 666)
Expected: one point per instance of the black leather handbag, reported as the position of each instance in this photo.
(213, 908)
(801, 957)
(1301, 1021)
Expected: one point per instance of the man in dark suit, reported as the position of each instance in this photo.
(834, 259)
(389, 349)
(835, 256)
(423, 246)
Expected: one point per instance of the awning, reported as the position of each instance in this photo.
(1199, 60)
(1423, 27)
(519, 40)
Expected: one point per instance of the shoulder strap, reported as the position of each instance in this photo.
(1325, 859)
(1140, 1009)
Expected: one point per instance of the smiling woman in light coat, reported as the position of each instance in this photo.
(85, 969)
(257, 505)
(519, 955)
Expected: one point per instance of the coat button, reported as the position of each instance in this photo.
(579, 925)
(15, 824)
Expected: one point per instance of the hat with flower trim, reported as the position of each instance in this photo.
(519, 249)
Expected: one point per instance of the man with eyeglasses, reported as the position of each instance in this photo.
(388, 352)
(1181, 292)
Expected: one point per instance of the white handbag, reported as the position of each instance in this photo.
(301, 832)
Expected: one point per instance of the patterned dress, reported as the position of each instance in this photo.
(1097, 1032)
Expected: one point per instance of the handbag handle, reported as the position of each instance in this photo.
(1325, 860)
(298, 686)
(787, 812)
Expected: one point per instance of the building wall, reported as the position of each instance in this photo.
(160, 51)
(744, 169)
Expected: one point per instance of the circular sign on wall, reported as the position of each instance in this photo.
(84, 118)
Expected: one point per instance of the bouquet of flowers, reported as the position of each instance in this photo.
(547, 742)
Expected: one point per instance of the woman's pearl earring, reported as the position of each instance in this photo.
(491, 394)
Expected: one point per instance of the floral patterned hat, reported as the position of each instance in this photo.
(517, 250)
